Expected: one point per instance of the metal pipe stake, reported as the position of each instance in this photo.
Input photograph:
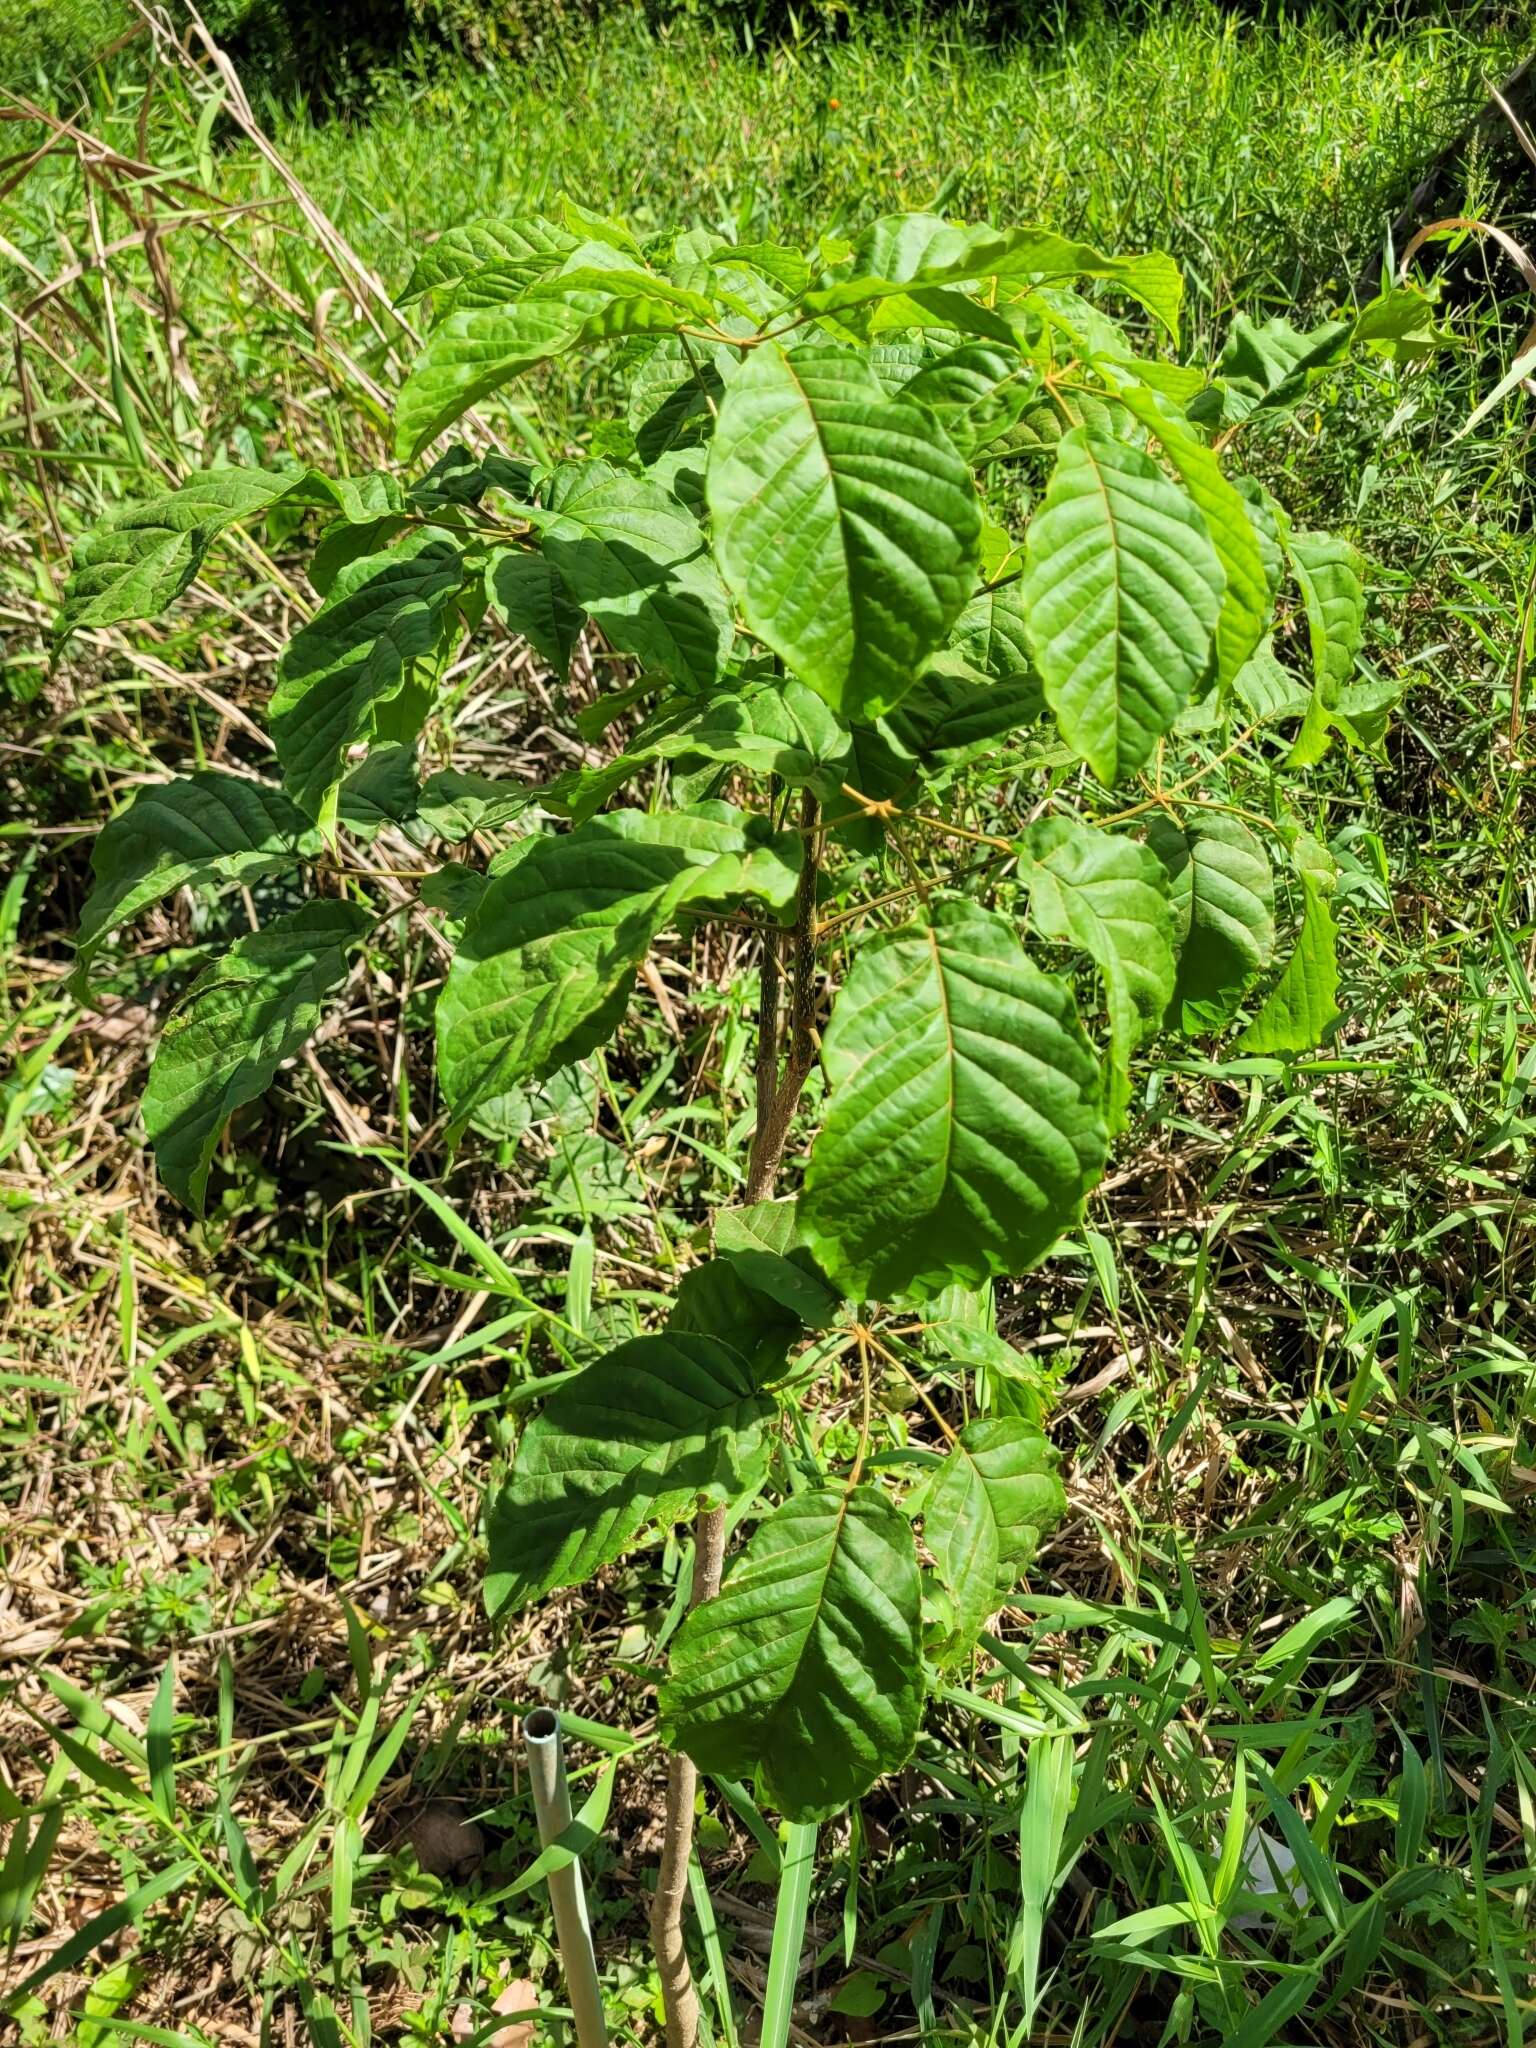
(552, 1802)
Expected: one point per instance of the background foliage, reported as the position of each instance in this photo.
(1292, 1353)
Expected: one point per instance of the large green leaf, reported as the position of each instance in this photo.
(994, 1495)
(1222, 897)
(1245, 600)
(546, 963)
(238, 1022)
(845, 522)
(991, 633)
(385, 617)
(965, 1123)
(1123, 589)
(473, 352)
(636, 1439)
(1109, 895)
(807, 1666)
(135, 560)
(1331, 577)
(633, 557)
(1302, 1008)
(199, 829)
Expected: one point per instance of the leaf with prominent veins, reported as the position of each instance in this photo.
(548, 958)
(845, 522)
(807, 1665)
(1122, 590)
(634, 1440)
(233, 1029)
(964, 1124)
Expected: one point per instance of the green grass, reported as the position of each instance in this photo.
(1297, 1587)
(1267, 161)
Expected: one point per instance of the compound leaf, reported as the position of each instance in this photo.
(807, 1666)
(199, 829)
(238, 1022)
(1122, 589)
(845, 522)
(636, 1439)
(965, 1124)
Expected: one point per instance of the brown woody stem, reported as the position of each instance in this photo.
(776, 1099)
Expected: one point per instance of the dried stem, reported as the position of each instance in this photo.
(680, 1999)
(776, 1099)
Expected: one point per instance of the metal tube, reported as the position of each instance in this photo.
(552, 1803)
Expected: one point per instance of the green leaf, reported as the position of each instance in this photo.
(1269, 366)
(964, 1126)
(1302, 1008)
(845, 522)
(761, 1249)
(1245, 601)
(522, 249)
(238, 1022)
(1123, 589)
(454, 805)
(807, 1666)
(472, 353)
(1222, 898)
(622, 301)
(387, 617)
(529, 598)
(548, 958)
(773, 727)
(903, 250)
(992, 632)
(958, 716)
(381, 790)
(1267, 690)
(1109, 895)
(637, 1438)
(715, 1299)
(993, 1497)
(134, 561)
(1331, 577)
(633, 557)
(976, 391)
(199, 829)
